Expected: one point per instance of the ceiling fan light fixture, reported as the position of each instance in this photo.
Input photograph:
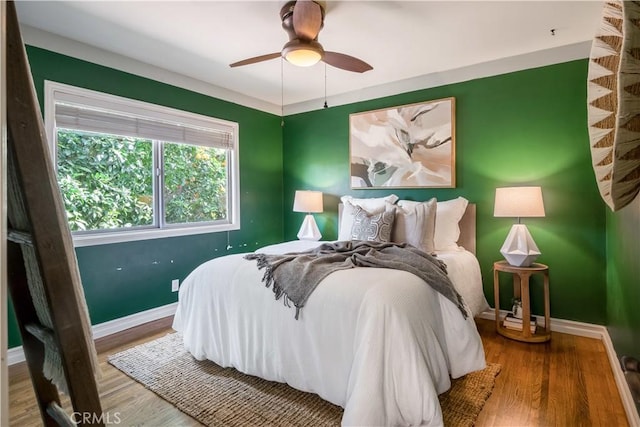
(303, 57)
(302, 54)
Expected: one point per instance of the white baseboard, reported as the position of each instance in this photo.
(621, 382)
(600, 332)
(570, 327)
(16, 354)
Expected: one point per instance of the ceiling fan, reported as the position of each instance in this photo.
(303, 20)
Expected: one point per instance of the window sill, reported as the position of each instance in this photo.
(80, 240)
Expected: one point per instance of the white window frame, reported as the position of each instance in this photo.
(55, 91)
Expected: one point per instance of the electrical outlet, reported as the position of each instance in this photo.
(175, 285)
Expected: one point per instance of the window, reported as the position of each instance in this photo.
(129, 170)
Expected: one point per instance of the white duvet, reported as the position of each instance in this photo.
(378, 342)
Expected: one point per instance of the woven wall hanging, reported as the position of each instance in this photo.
(613, 96)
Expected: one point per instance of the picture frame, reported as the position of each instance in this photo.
(407, 146)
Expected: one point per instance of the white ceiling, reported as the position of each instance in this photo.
(404, 41)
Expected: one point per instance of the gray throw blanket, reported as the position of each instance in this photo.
(296, 275)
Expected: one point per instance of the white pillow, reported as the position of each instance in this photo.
(415, 224)
(448, 214)
(373, 205)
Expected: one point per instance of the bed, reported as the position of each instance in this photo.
(378, 342)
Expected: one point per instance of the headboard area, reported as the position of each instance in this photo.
(467, 226)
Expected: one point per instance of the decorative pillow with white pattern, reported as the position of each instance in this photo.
(375, 227)
(371, 205)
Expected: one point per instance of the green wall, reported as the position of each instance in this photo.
(125, 278)
(623, 279)
(521, 128)
(527, 127)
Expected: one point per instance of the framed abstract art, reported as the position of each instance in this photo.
(407, 146)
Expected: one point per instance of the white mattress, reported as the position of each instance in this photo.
(378, 342)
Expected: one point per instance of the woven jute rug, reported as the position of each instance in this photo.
(218, 396)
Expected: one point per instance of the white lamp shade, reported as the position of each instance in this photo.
(307, 201)
(518, 202)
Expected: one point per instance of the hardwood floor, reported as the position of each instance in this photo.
(124, 401)
(566, 382)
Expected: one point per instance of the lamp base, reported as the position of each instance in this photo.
(519, 249)
(309, 229)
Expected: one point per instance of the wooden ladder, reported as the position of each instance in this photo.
(44, 282)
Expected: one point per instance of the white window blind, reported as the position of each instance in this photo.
(91, 115)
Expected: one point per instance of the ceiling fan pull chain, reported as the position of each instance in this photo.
(325, 86)
(281, 92)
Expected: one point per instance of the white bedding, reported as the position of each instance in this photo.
(378, 342)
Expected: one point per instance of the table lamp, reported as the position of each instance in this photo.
(309, 202)
(519, 249)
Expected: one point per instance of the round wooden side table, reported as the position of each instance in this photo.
(521, 277)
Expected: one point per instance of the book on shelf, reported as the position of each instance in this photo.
(518, 320)
(532, 328)
(515, 323)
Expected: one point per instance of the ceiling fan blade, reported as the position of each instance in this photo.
(346, 62)
(255, 59)
(307, 19)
